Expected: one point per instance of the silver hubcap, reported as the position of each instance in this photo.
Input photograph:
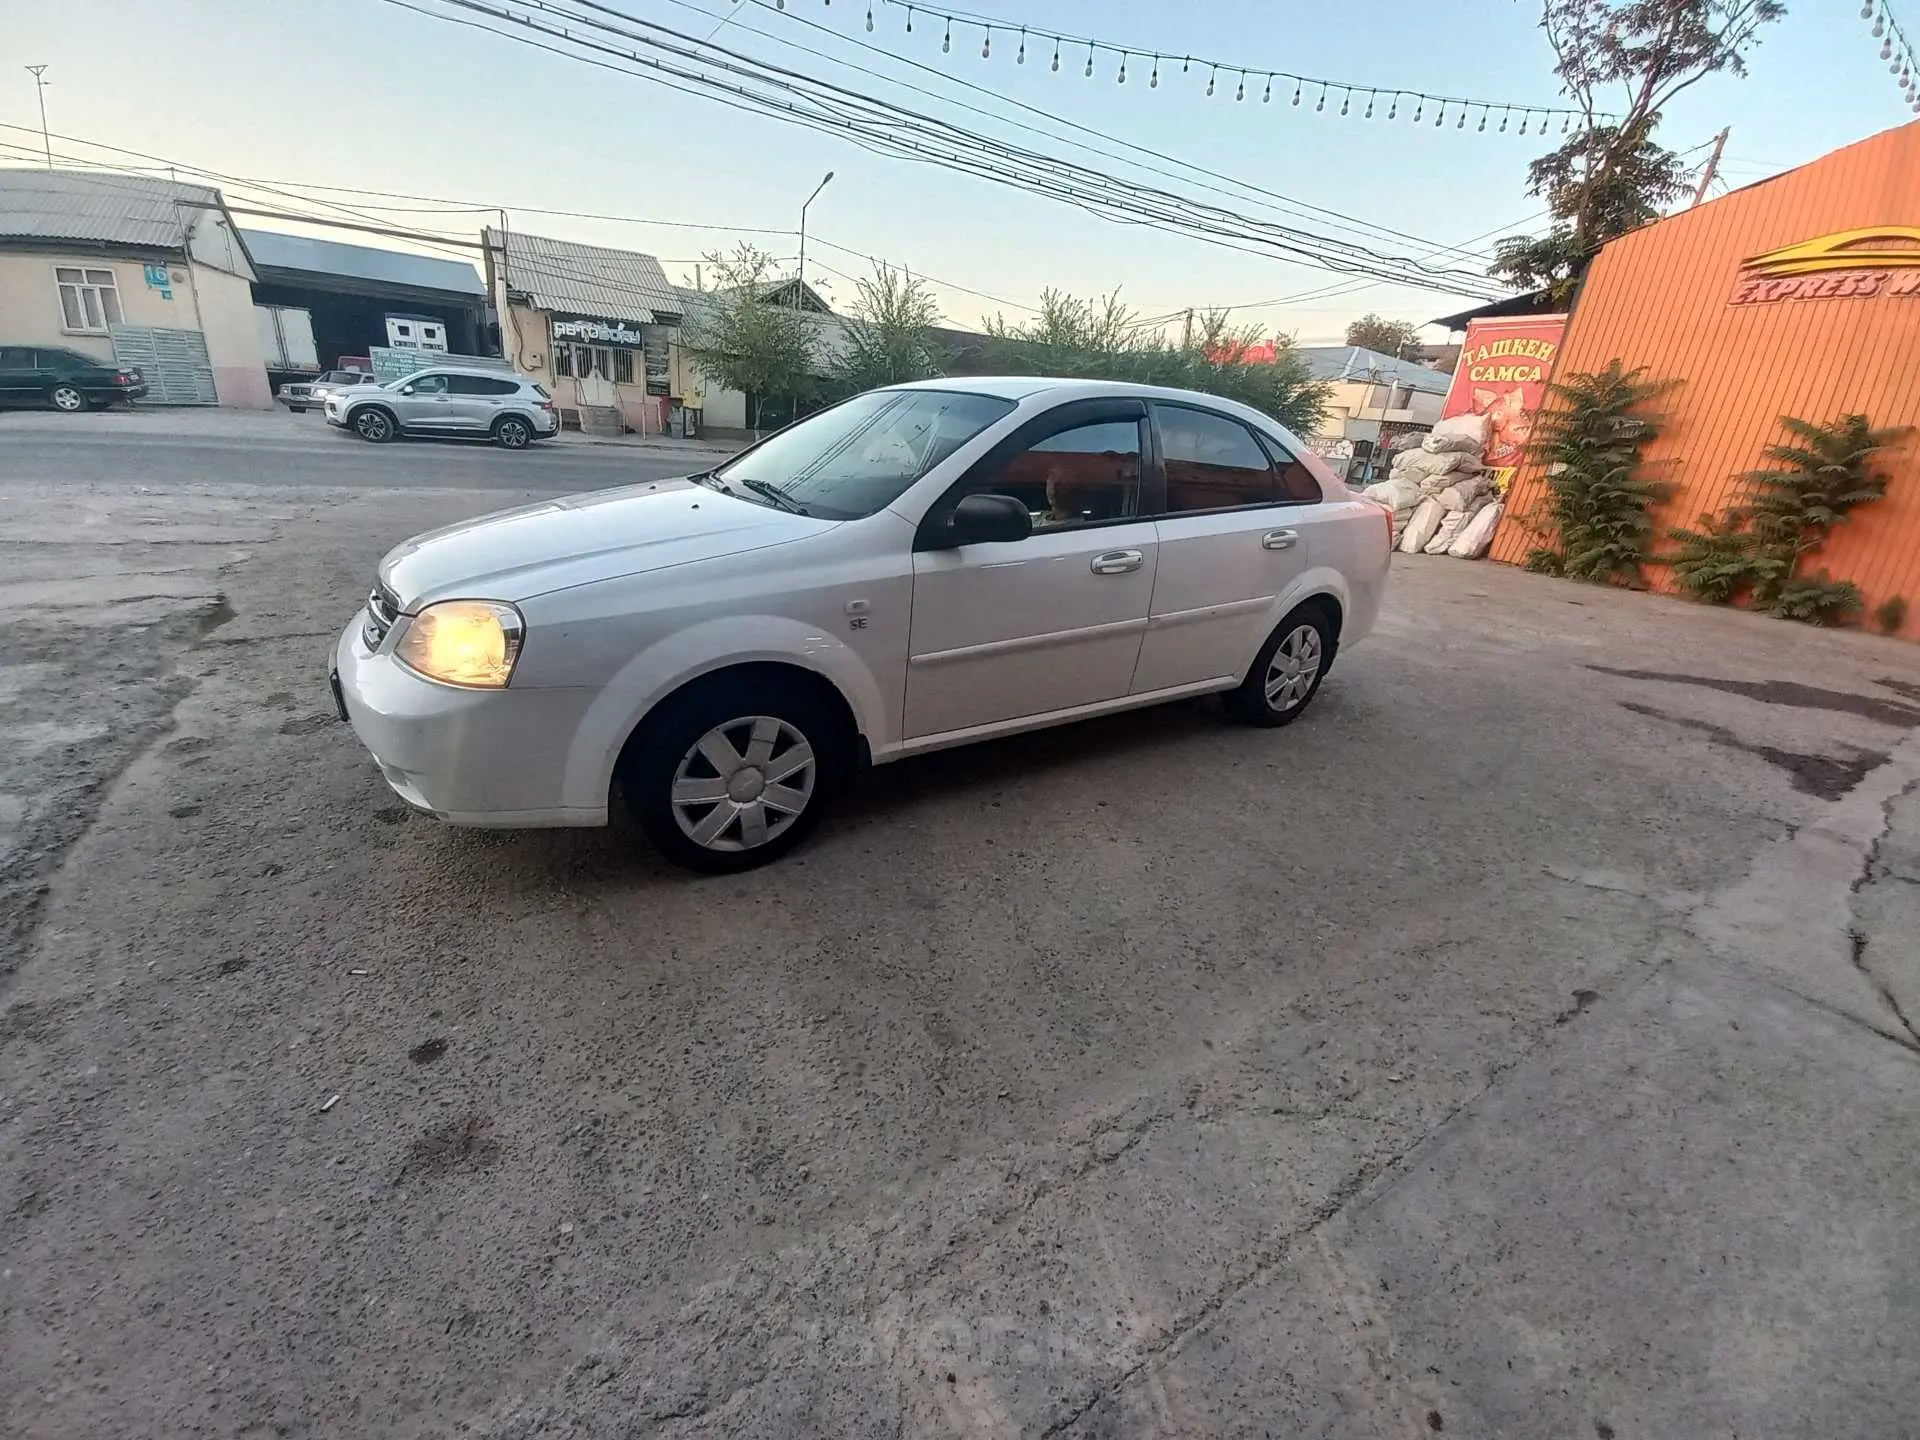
(1295, 666)
(67, 399)
(513, 435)
(374, 426)
(743, 783)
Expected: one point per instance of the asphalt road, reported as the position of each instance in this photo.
(277, 449)
(1520, 1045)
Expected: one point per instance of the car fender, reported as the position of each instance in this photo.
(718, 644)
(1318, 580)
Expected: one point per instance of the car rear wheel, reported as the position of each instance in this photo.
(727, 776)
(510, 432)
(1286, 674)
(375, 425)
(67, 398)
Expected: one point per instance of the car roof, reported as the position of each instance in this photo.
(1025, 387)
(486, 372)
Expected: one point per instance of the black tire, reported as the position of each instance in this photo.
(1271, 694)
(374, 425)
(68, 399)
(510, 432)
(671, 739)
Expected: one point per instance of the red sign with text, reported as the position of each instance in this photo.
(1503, 373)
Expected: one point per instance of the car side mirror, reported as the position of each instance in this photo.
(984, 519)
(406, 389)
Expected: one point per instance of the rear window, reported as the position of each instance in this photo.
(543, 392)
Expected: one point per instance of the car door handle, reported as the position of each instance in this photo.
(1280, 539)
(1117, 562)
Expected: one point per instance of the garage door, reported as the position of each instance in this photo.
(174, 362)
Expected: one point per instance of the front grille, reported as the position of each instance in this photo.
(383, 608)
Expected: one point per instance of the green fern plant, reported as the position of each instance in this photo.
(1816, 482)
(1715, 563)
(1596, 522)
(1821, 600)
(1890, 615)
(1785, 512)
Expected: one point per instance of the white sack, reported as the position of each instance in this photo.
(1420, 528)
(1426, 464)
(1473, 427)
(1398, 494)
(1450, 525)
(1464, 491)
(1476, 536)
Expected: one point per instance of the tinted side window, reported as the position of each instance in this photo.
(429, 384)
(478, 385)
(1212, 462)
(1088, 473)
(15, 357)
(1296, 481)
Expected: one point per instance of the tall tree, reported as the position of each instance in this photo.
(1611, 176)
(889, 335)
(1398, 338)
(743, 343)
(1103, 340)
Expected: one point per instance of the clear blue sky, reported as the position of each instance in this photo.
(361, 93)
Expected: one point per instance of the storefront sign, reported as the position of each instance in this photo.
(590, 331)
(1504, 369)
(1847, 265)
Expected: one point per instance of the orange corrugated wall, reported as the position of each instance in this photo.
(1659, 298)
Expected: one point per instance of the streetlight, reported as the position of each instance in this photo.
(803, 234)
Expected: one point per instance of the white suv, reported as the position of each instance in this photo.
(918, 567)
(507, 408)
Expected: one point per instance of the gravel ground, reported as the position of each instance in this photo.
(1519, 1045)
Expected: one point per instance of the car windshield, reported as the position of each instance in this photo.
(862, 455)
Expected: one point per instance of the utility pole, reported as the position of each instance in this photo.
(40, 84)
(1713, 165)
(1186, 330)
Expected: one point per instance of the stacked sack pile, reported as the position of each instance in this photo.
(1442, 499)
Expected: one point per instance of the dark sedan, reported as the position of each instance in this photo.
(64, 379)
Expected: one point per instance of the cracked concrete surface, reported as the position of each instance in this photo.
(1479, 1055)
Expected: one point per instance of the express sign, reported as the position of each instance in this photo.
(1848, 265)
(589, 331)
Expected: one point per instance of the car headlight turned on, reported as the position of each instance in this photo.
(472, 643)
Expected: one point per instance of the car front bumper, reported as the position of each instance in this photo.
(470, 757)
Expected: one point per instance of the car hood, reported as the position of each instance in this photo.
(580, 539)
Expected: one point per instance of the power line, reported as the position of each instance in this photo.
(1238, 189)
(895, 130)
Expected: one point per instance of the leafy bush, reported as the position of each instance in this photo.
(1890, 614)
(1716, 562)
(1104, 340)
(1821, 600)
(1754, 547)
(1596, 521)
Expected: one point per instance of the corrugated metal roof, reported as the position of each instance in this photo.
(107, 209)
(361, 262)
(1355, 362)
(587, 279)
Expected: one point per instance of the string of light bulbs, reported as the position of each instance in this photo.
(1895, 50)
(1309, 91)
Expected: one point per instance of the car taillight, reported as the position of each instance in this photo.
(546, 404)
(123, 378)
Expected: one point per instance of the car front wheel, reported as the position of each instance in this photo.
(727, 776)
(374, 425)
(67, 398)
(512, 433)
(1286, 674)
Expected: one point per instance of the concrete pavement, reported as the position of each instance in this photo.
(1517, 1046)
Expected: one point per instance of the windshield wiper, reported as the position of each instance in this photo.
(774, 494)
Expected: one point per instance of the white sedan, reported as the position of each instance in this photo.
(918, 567)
